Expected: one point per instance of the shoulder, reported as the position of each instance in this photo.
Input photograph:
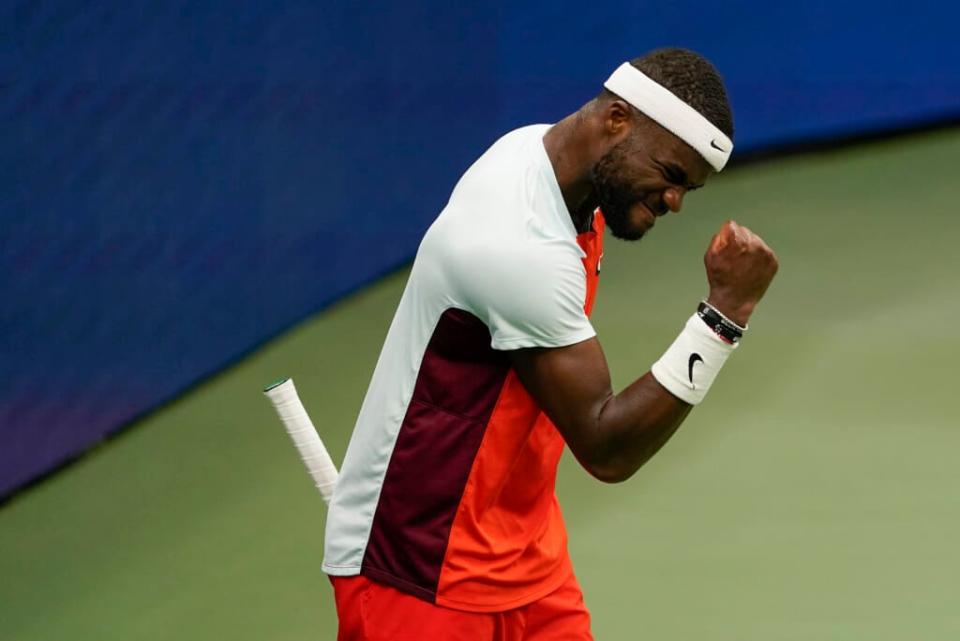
(528, 294)
(506, 162)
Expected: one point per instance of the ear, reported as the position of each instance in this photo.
(618, 119)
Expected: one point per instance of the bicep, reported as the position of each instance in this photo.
(571, 384)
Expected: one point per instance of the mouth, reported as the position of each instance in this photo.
(649, 216)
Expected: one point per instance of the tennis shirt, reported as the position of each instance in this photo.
(447, 488)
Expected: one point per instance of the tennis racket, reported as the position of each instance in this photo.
(283, 395)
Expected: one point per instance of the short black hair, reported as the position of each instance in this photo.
(690, 77)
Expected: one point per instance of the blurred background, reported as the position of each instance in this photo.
(200, 197)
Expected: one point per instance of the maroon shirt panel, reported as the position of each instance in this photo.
(457, 388)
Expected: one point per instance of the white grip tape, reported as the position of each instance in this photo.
(690, 364)
(304, 436)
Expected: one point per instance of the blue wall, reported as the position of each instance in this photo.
(181, 182)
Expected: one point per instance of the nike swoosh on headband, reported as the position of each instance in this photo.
(713, 143)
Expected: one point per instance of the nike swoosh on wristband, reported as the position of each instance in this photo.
(693, 359)
(713, 143)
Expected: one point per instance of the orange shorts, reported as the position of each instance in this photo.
(370, 611)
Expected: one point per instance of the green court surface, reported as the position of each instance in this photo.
(814, 495)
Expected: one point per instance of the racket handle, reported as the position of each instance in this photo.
(304, 435)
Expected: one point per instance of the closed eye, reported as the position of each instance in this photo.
(676, 176)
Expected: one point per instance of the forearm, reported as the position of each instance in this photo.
(634, 424)
(611, 435)
(631, 427)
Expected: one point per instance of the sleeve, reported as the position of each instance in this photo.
(532, 298)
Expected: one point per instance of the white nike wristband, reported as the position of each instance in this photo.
(690, 364)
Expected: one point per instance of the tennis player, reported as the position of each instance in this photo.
(444, 524)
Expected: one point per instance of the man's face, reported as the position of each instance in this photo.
(643, 177)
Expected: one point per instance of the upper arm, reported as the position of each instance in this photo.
(571, 384)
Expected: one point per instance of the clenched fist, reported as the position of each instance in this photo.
(740, 267)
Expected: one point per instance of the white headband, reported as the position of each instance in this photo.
(673, 114)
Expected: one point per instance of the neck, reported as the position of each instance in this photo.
(568, 145)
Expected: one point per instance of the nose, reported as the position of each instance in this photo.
(673, 198)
